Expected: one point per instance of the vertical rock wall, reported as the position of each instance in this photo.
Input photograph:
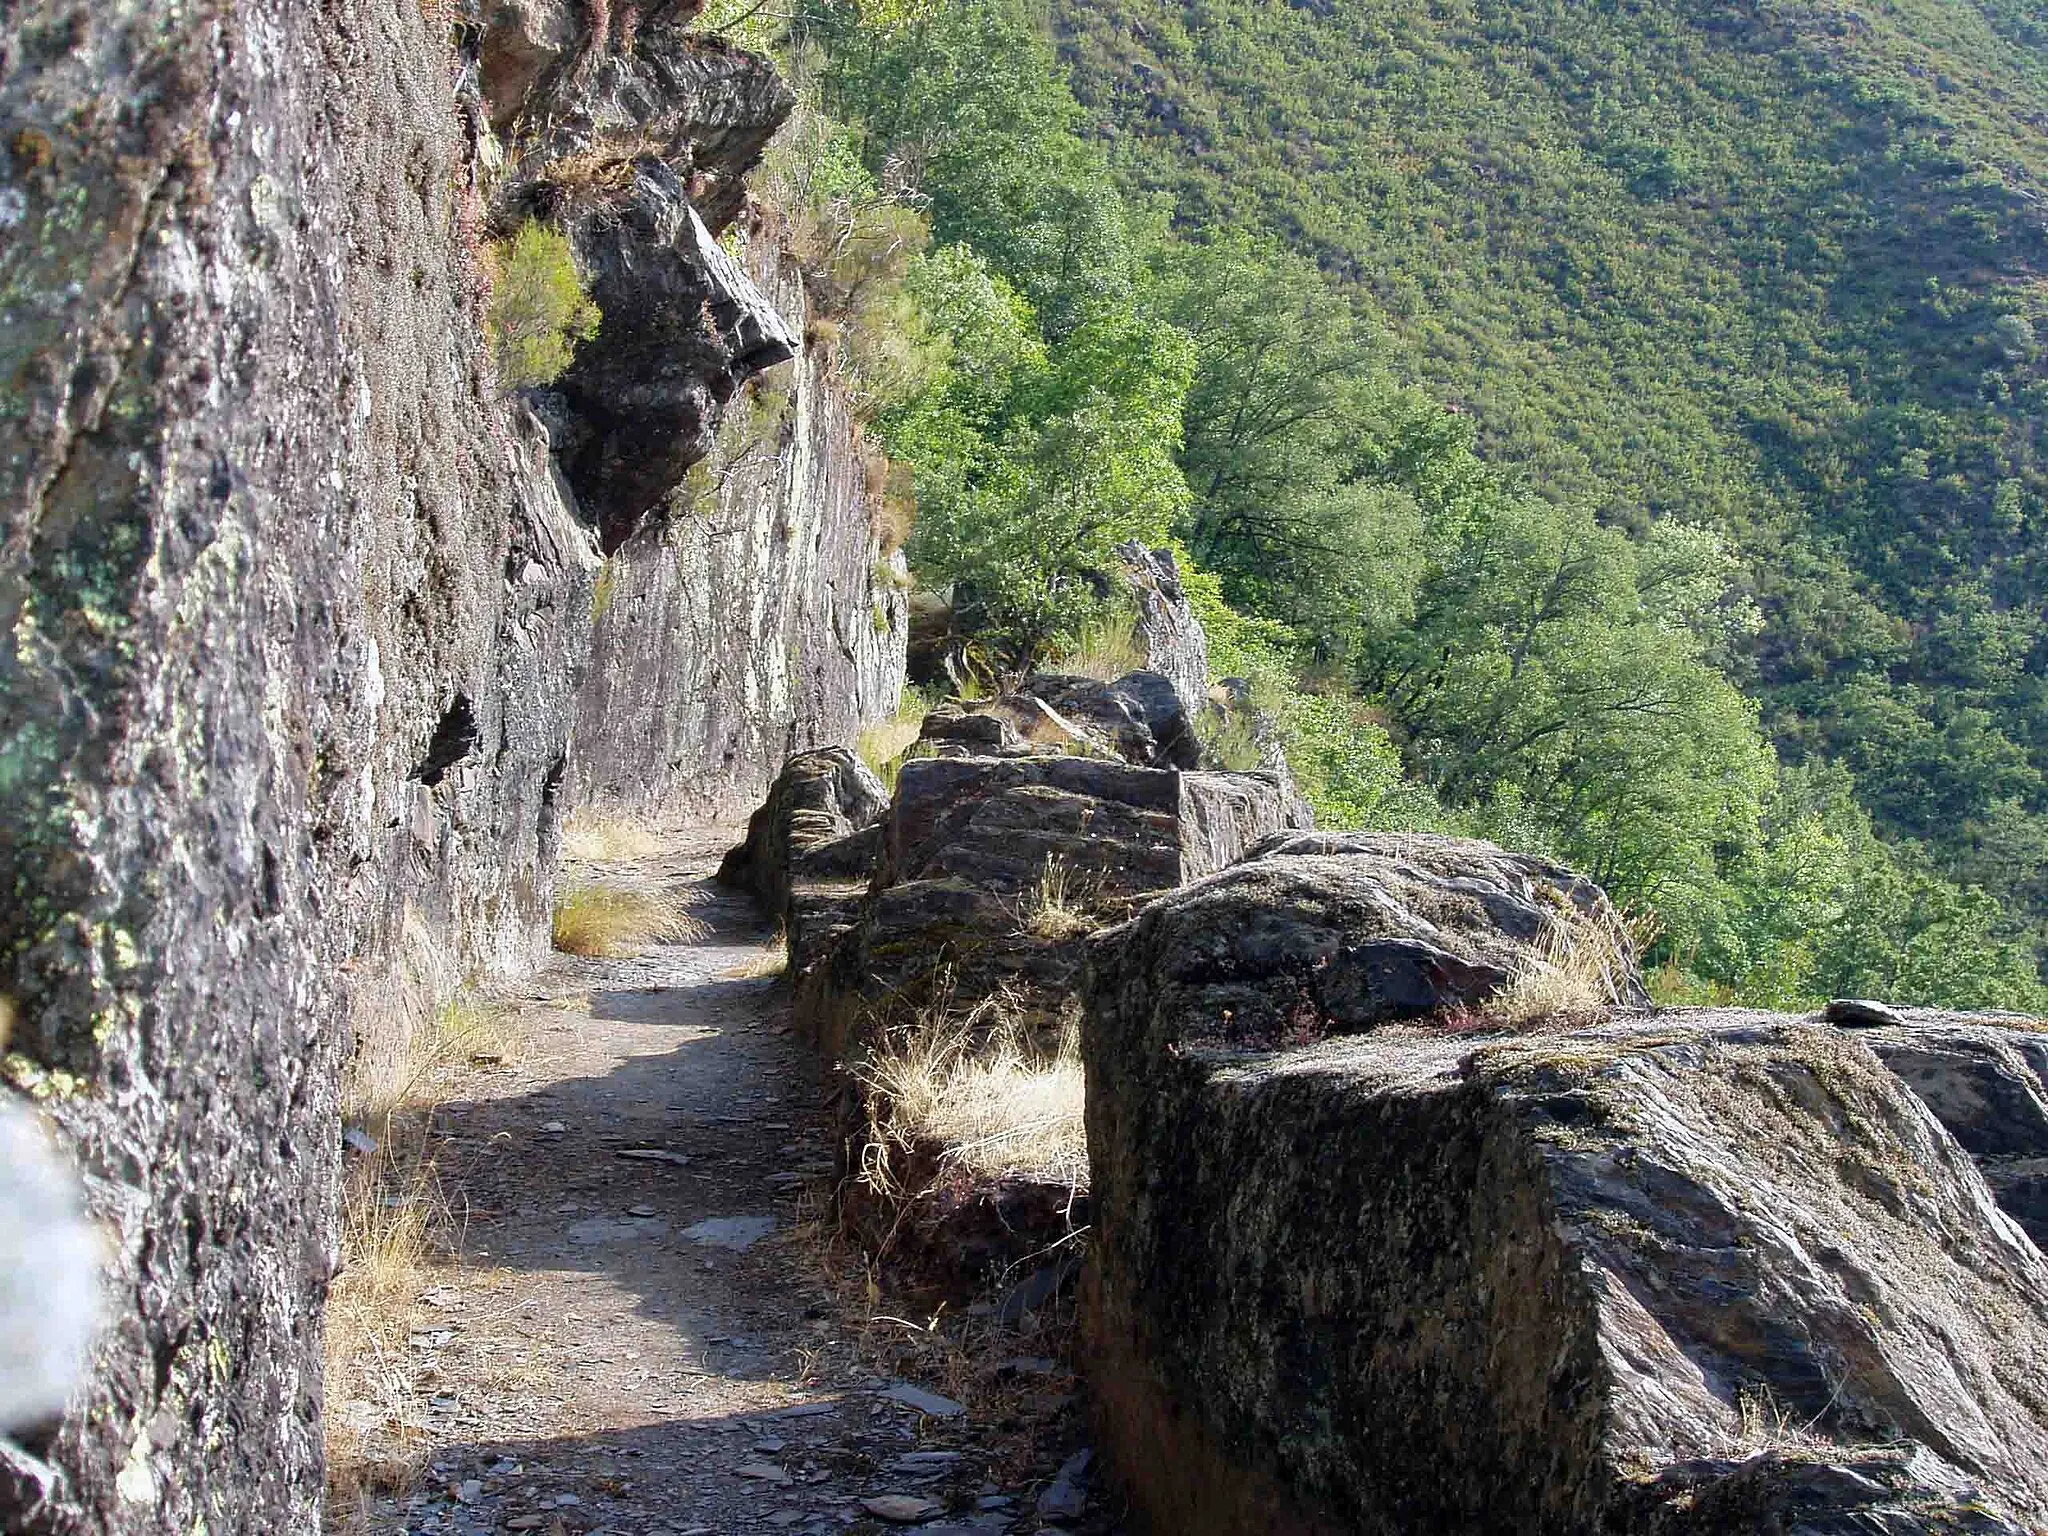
(296, 611)
(293, 608)
(758, 617)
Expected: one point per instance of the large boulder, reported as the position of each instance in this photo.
(1697, 1274)
(819, 823)
(991, 868)
(1332, 933)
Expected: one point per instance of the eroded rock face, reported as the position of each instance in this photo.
(991, 868)
(1711, 1274)
(755, 619)
(1176, 645)
(635, 144)
(297, 611)
(294, 609)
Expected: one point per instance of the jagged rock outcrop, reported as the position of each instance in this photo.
(629, 150)
(1684, 1274)
(992, 867)
(297, 610)
(1176, 645)
(1986, 1079)
(758, 616)
(1137, 719)
(821, 821)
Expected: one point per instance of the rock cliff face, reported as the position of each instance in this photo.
(297, 611)
(1695, 1273)
(757, 617)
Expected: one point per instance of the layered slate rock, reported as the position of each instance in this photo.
(1137, 719)
(1676, 1274)
(821, 822)
(1986, 1079)
(747, 610)
(1331, 933)
(959, 900)
(636, 146)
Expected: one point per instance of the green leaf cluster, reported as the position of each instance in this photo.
(540, 309)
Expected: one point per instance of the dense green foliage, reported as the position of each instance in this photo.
(1775, 270)
(1541, 615)
(540, 309)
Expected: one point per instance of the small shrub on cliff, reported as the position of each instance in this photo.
(540, 308)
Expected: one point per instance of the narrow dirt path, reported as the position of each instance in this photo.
(640, 1335)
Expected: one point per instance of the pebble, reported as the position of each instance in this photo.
(763, 1472)
(899, 1508)
(928, 1403)
(737, 1233)
(1067, 1498)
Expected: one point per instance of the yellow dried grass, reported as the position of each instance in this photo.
(618, 922)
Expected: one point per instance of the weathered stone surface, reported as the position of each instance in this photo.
(293, 610)
(958, 904)
(629, 144)
(1137, 719)
(953, 731)
(1986, 1079)
(1333, 933)
(809, 828)
(1176, 645)
(1714, 1274)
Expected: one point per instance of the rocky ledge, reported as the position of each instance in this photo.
(1689, 1273)
(990, 870)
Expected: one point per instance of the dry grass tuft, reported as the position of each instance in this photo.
(410, 1046)
(1109, 648)
(772, 960)
(1766, 1426)
(892, 500)
(1582, 969)
(609, 839)
(618, 922)
(391, 1210)
(884, 745)
(994, 1106)
(1052, 910)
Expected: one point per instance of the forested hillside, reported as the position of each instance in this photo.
(1773, 269)
(1585, 429)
